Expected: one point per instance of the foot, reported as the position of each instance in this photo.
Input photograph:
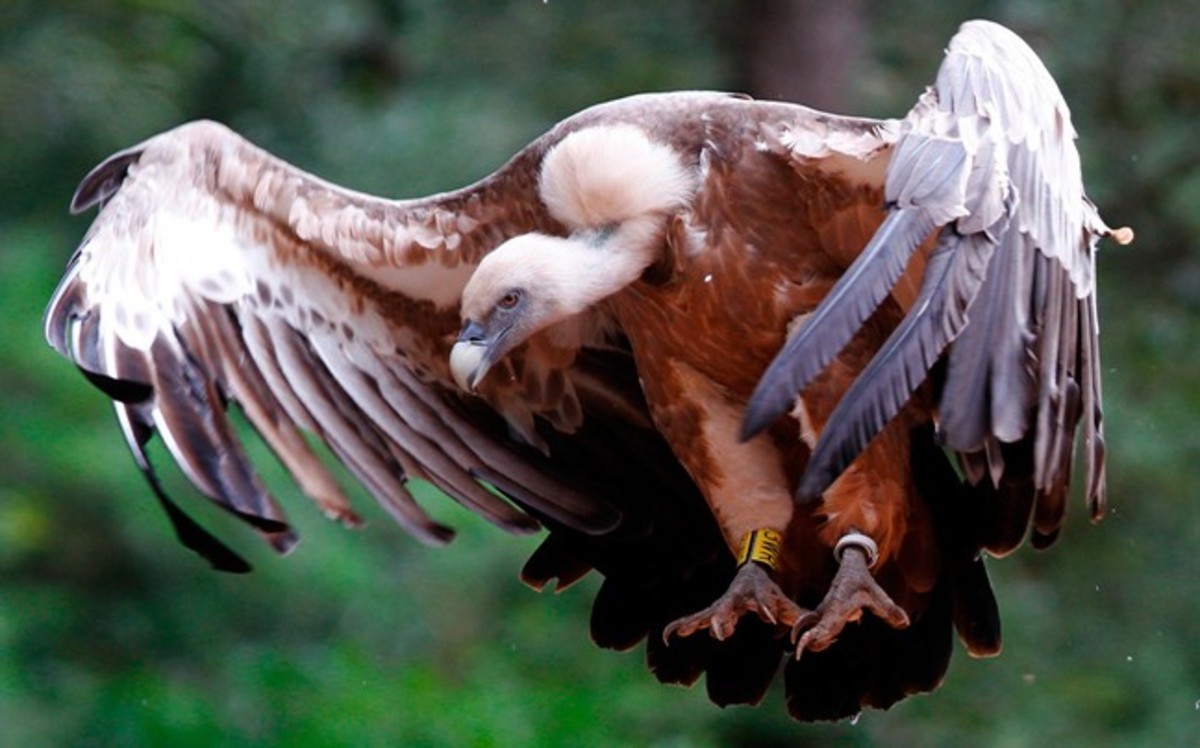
(751, 591)
(853, 590)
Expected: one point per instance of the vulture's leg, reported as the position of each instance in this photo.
(746, 488)
(853, 591)
(751, 591)
(870, 517)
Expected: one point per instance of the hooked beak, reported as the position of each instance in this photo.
(473, 354)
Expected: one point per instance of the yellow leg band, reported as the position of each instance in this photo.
(761, 546)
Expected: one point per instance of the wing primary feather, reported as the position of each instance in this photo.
(137, 431)
(1058, 412)
(1093, 417)
(1013, 386)
(1051, 503)
(966, 403)
(78, 335)
(1053, 373)
(838, 317)
(1059, 400)
(121, 390)
(190, 415)
(953, 274)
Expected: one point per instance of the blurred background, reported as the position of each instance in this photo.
(110, 633)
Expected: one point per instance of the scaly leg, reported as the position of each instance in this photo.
(852, 591)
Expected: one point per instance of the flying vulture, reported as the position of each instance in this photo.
(727, 352)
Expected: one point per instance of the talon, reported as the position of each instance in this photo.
(807, 621)
(669, 631)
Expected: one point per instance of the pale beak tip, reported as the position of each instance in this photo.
(467, 364)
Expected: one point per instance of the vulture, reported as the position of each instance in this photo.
(782, 378)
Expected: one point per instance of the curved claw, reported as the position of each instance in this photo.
(751, 591)
(853, 591)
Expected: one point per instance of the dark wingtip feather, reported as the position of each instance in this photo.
(138, 432)
(121, 390)
(620, 616)
(554, 559)
(976, 613)
(195, 538)
(102, 182)
(1004, 511)
(741, 669)
(278, 533)
(1043, 540)
(1097, 496)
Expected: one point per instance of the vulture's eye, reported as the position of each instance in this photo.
(509, 300)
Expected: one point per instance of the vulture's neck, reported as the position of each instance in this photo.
(606, 260)
(614, 189)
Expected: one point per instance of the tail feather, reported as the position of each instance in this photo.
(872, 665)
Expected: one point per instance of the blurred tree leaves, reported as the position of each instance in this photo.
(111, 634)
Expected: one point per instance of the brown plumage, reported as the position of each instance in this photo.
(650, 330)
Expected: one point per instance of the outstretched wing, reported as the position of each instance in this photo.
(216, 272)
(987, 159)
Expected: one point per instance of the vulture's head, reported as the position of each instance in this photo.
(522, 287)
(613, 189)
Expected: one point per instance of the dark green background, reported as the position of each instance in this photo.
(111, 634)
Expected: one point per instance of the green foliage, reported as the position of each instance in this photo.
(112, 634)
